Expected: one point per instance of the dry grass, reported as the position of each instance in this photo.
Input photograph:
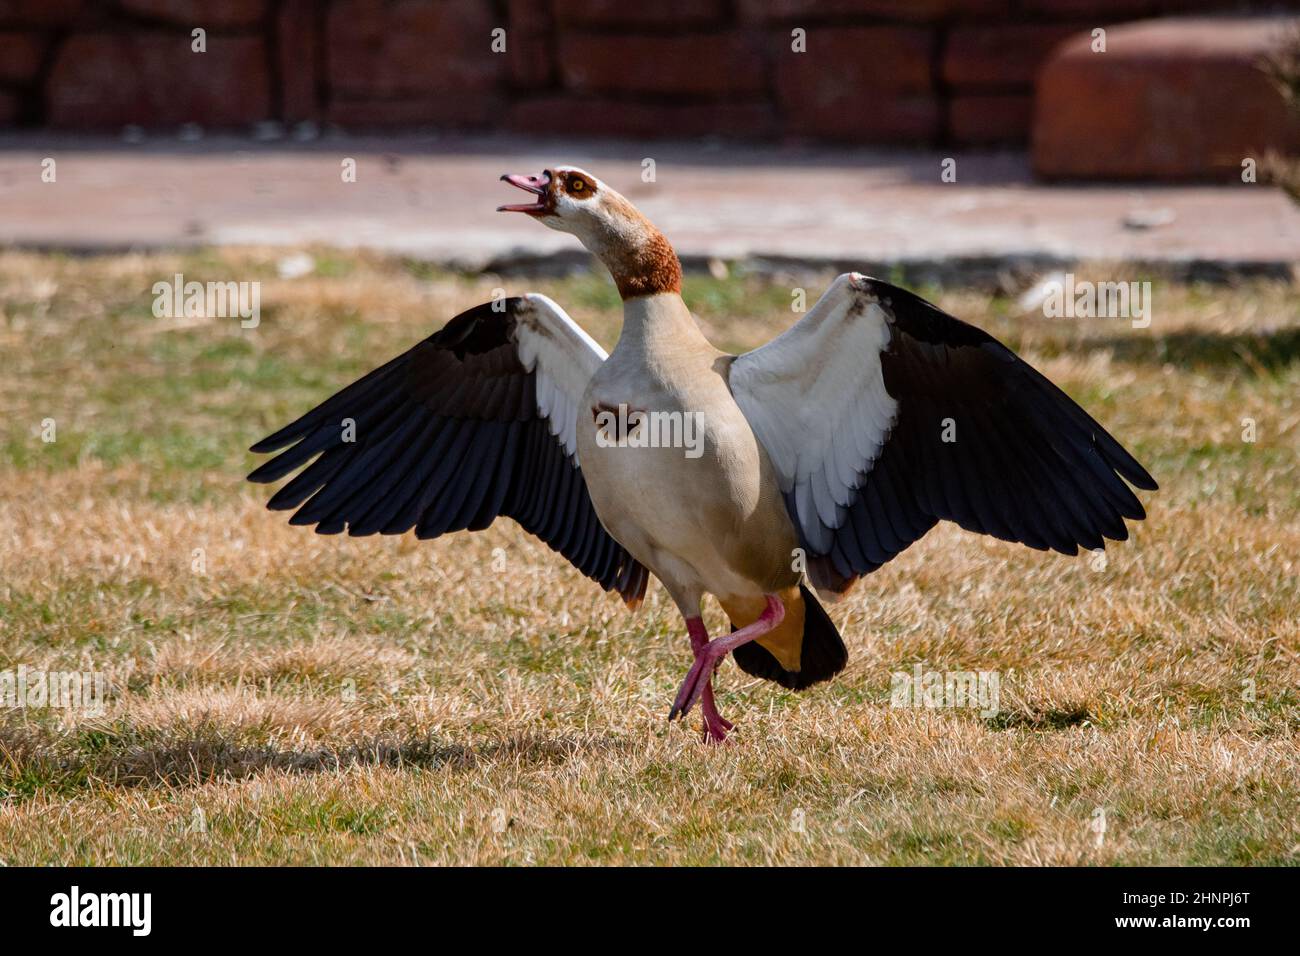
(330, 700)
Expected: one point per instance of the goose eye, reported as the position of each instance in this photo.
(576, 185)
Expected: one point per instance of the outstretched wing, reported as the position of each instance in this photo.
(882, 415)
(476, 421)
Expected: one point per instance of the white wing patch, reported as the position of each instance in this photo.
(564, 358)
(815, 397)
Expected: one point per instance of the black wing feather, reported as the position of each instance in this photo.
(447, 437)
(1027, 465)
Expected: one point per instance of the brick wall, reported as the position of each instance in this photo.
(874, 71)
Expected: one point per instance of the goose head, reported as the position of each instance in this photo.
(572, 200)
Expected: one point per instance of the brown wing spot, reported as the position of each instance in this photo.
(625, 425)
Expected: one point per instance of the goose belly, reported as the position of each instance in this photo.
(692, 497)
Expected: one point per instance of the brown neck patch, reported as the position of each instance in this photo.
(648, 269)
(638, 256)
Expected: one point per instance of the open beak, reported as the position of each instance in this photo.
(533, 184)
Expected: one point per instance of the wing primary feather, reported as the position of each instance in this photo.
(455, 485)
(352, 395)
(494, 462)
(436, 463)
(304, 484)
(492, 502)
(355, 482)
(401, 481)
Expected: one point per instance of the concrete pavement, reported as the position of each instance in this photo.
(433, 198)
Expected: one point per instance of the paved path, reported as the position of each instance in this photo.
(434, 198)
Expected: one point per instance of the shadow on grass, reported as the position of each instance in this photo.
(1262, 351)
(1055, 718)
(34, 762)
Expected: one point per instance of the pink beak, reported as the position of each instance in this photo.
(533, 184)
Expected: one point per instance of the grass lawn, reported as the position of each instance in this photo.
(274, 696)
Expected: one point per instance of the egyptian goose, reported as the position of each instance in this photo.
(825, 452)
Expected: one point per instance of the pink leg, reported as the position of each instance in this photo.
(708, 656)
(715, 725)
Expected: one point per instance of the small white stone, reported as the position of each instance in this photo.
(296, 266)
(1149, 218)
